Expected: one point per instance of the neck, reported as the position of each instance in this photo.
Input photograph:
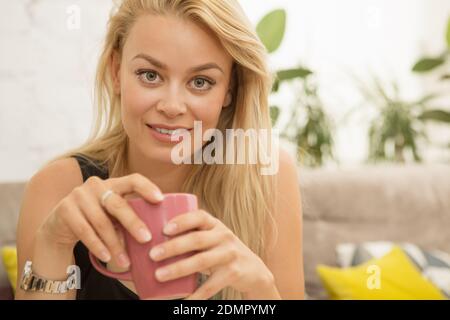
(168, 177)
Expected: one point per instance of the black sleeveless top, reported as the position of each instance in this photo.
(95, 285)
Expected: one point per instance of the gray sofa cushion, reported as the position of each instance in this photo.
(10, 201)
(395, 203)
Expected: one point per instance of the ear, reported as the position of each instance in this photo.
(115, 71)
(229, 95)
(228, 98)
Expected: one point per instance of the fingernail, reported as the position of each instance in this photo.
(145, 235)
(156, 252)
(170, 228)
(158, 195)
(123, 260)
(161, 273)
(105, 256)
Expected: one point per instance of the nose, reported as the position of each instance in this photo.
(172, 104)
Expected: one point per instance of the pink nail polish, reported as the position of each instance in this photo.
(161, 273)
(170, 228)
(156, 252)
(123, 260)
(105, 256)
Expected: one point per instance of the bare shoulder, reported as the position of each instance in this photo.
(42, 192)
(57, 177)
(285, 257)
(287, 209)
(287, 161)
(287, 176)
(46, 188)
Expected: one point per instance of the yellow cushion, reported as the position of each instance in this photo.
(392, 276)
(9, 257)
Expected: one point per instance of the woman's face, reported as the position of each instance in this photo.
(172, 72)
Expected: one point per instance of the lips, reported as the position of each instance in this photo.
(168, 130)
(166, 134)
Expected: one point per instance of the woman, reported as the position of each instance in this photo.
(166, 64)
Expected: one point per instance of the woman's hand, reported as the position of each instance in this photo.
(222, 256)
(82, 216)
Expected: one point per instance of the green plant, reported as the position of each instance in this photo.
(399, 124)
(427, 64)
(438, 64)
(308, 127)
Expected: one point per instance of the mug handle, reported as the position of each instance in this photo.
(100, 268)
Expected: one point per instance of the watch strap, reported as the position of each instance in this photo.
(32, 282)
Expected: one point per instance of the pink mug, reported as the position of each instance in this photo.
(142, 267)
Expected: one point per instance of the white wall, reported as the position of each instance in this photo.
(336, 38)
(47, 67)
(46, 71)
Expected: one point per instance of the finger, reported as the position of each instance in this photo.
(191, 220)
(103, 226)
(136, 183)
(207, 272)
(216, 282)
(196, 263)
(76, 221)
(119, 208)
(197, 240)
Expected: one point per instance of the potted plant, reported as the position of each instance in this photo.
(308, 127)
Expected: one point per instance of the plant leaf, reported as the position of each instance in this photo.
(271, 29)
(427, 64)
(436, 115)
(289, 74)
(426, 99)
(447, 35)
(276, 85)
(274, 114)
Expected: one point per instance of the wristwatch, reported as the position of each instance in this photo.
(32, 282)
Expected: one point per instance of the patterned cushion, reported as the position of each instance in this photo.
(434, 265)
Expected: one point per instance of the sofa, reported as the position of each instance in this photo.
(409, 203)
(10, 200)
(389, 202)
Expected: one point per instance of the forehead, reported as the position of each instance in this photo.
(175, 41)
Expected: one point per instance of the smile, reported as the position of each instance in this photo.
(164, 133)
(167, 131)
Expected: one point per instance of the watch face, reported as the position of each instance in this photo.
(26, 276)
(26, 281)
(27, 268)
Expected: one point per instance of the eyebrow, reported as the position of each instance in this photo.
(163, 66)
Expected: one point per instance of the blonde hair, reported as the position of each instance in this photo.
(238, 195)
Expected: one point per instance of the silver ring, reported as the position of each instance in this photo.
(105, 196)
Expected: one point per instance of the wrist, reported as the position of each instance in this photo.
(264, 289)
(50, 258)
(46, 241)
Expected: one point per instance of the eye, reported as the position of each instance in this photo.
(202, 84)
(147, 76)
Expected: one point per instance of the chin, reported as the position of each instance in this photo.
(159, 153)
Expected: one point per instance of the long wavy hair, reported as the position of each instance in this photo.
(238, 195)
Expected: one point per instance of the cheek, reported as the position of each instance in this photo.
(207, 109)
(135, 99)
(135, 102)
